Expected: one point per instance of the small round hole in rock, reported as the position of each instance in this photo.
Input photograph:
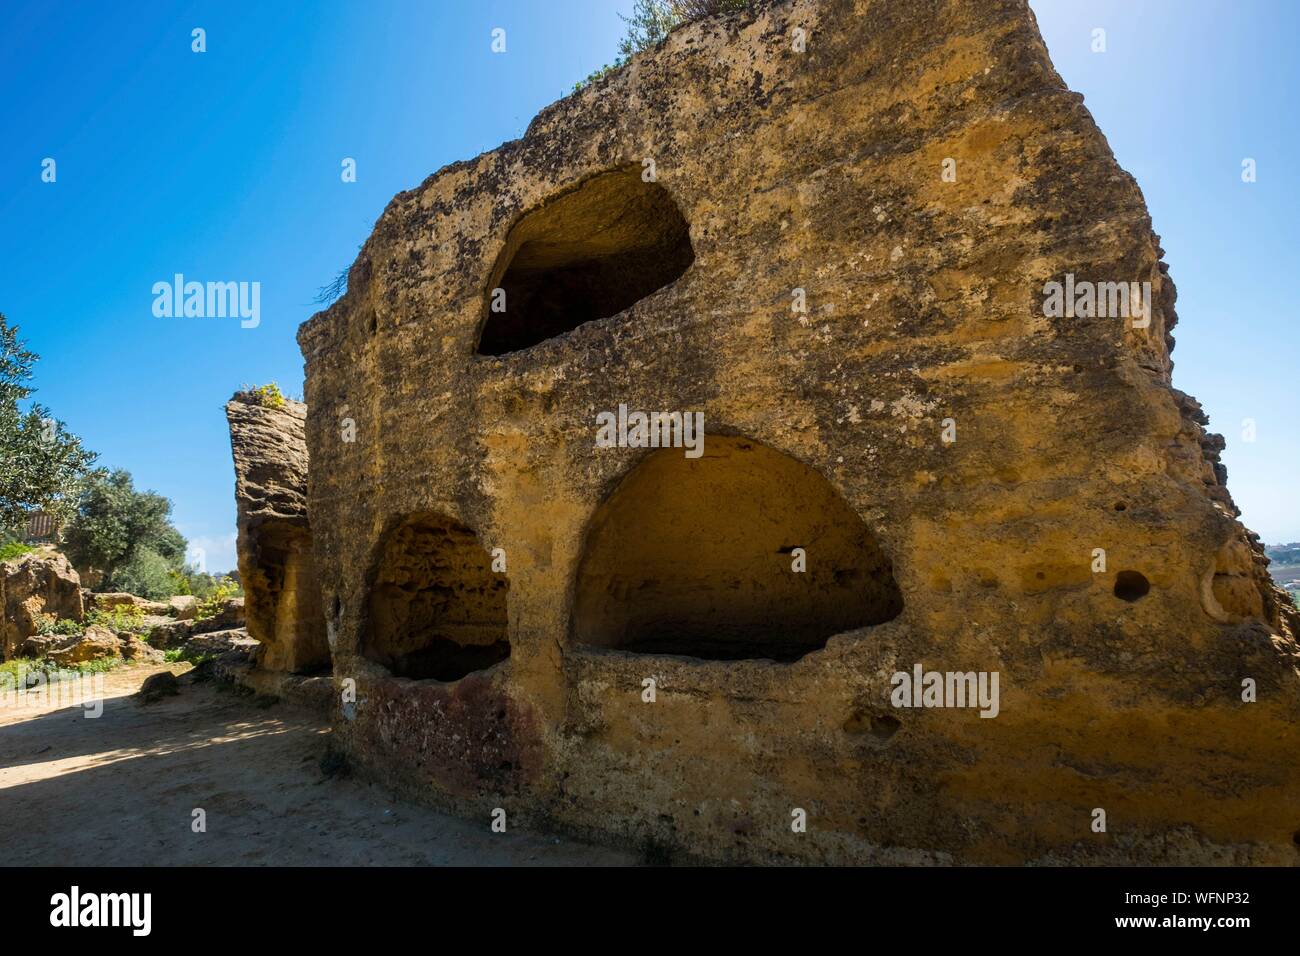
(1120, 506)
(1131, 585)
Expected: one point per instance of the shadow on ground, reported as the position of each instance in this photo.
(121, 790)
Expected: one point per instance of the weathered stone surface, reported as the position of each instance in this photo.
(157, 686)
(147, 623)
(219, 643)
(39, 645)
(175, 633)
(232, 613)
(137, 651)
(274, 544)
(183, 606)
(34, 584)
(95, 643)
(810, 177)
(314, 693)
(169, 635)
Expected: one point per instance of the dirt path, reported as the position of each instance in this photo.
(121, 790)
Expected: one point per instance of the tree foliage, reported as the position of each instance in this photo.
(650, 22)
(42, 464)
(146, 573)
(115, 525)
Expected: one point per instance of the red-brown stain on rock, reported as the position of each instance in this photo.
(468, 737)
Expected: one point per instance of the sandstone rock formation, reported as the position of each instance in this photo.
(95, 643)
(232, 614)
(183, 607)
(830, 226)
(232, 646)
(135, 650)
(157, 686)
(274, 542)
(35, 584)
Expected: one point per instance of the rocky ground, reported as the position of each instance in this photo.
(122, 790)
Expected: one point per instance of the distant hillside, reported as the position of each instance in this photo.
(1286, 565)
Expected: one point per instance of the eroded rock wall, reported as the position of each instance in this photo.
(36, 584)
(1051, 510)
(274, 543)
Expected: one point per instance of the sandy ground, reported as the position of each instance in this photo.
(121, 790)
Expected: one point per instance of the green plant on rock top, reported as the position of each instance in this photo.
(123, 617)
(185, 655)
(212, 604)
(268, 396)
(48, 624)
(14, 549)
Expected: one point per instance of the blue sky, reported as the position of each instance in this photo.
(225, 166)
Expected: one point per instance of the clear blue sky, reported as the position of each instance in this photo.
(225, 165)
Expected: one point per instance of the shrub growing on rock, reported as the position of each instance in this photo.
(49, 624)
(212, 604)
(123, 617)
(14, 549)
(652, 20)
(268, 396)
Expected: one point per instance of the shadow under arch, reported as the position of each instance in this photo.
(585, 253)
(434, 606)
(697, 557)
